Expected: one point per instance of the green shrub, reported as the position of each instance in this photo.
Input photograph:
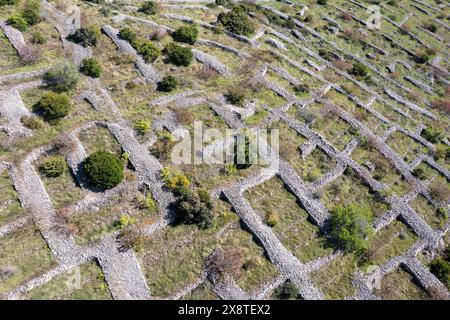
(32, 122)
(103, 170)
(8, 2)
(17, 21)
(178, 55)
(84, 36)
(124, 221)
(53, 167)
(350, 227)
(322, 2)
(236, 21)
(168, 84)
(147, 50)
(359, 70)
(175, 181)
(432, 135)
(127, 34)
(236, 96)
(53, 106)
(32, 11)
(192, 210)
(149, 7)
(425, 56)
(441, 269)
(223, 2)
(287, 291)
(187, 34)
(142, 126)
(272, 218)
(419, 173)
(38, 38)
(91, 68)
(301, 88)
(63, 77)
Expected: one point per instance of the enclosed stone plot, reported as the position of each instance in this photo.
(173, 258)
(380, 168)
(99, 138)
(66, 181)
(24, 254)
(10, 58)
(405, 147)
(127, 208)
(253, 269)
(291, 223)
(400, 285)
(335, 279)
(83, 282)
(331, 126)
(310, 163)
(10, 206)
(348, 189)
(435, 217)
(391, 241)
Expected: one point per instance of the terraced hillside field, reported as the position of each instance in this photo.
(350, 202)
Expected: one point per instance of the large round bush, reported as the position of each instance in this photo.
(53, 106)
(178, 55)
(91, 68)
(103, 170)
(187, 34)
(236, 21)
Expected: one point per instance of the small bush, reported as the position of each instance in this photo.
(127, 34)
(149, 7)
(179, 56)
(168, 84)
(187, 34)
(441, 269)
(84, 36)
(192, 209)
(236, 21)
(17, 21)
(124, 221)
(63, 77)
(32, 12)
(223, 2)
(287, 291)
(236, 96)
(103, 170)
(359, 70)
(32, 122)
(53, 106)
(53, 167)
(431, 135)
(423, 57)
(176, 181)
(272, 219)
(440, 192)
(301, 88)
(91, 68)
(147, 50)
(131, 238)
(142, 126)
(8, 2)
(38, 38)
(322, 2)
